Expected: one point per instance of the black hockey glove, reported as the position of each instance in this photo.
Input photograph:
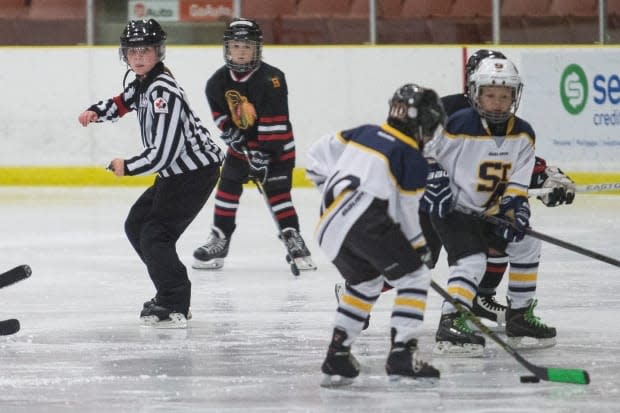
(515, 209)
(234, 139)
(259, 166)
(562, 187)
(437, 198)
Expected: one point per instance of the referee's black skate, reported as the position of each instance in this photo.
(525, 330)
(455, 338)
(211, 255)
(340, 366)
(485, 307)
(297, 250)
(403, 362)
(158, 316)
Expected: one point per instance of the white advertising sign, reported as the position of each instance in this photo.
(572, 99)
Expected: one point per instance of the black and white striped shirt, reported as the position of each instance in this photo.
(174, 138)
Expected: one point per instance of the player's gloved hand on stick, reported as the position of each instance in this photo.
(234, 139)
(563, 188)
(437, 198)
(259, 165)
(516, 210)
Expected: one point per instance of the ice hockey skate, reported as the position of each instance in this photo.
(525, 330)
(211, 255)
(297, 250)
(486, 308)
(157, 316)
(403, 364)
(339, 367)
(454, 338)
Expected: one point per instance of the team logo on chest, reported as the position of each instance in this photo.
(242, 111)
(160, 105)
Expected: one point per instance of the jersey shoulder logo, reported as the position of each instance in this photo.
(275, 81)
(160, 105)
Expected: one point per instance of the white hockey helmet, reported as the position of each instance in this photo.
(495, 72)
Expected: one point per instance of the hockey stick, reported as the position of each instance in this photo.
(561, 375)
(19, 273)
(613, 186)
(8, 327)
(261, 189)
(543, 237)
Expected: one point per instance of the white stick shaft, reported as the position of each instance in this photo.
(613, 186)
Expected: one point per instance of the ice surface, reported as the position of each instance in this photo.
(259, 334)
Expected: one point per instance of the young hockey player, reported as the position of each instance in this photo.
(249, 103)
(488, 154)
(179, 150)
(371, 179)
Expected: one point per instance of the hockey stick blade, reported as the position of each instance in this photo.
(560, 375)
(611, 186)
(543, 237)
(19, 273)
(8, 327)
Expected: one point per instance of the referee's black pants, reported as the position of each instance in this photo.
(156, 221)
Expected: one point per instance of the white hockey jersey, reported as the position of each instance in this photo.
(358, 165)
(482, 167)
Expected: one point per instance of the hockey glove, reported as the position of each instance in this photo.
(259, 166)
(516, 210)
(234, 139)
(563, 188)
(437, 198)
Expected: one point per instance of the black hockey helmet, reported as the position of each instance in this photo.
(475, 59)
(143, 33)
(417, 112)
(244, 30)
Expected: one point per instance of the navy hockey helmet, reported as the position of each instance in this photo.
(417, 112)
(475, 59)
(143, 33)
(247, 31)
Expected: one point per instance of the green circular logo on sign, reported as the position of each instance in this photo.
(574, 89)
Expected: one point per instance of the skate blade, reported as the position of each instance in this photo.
(213, 264)
(332, 381)
(447, 349)
(526, 343)
(305, 264)
(422, 382)
(176, 320)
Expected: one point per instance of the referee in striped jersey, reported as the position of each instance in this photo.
(178, 148)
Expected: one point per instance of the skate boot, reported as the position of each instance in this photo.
(339, 289)
(454, 338)
(525, 330)
(339, 367)
(297, 250)
(486, 307)
(403, 362)
(211, 255)
(153, 301)
(157, 316)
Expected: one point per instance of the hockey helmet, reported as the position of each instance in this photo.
(417, 112)
(495, 72)
(248, 31)
(143, 33)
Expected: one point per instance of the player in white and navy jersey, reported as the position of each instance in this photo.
(372, 178)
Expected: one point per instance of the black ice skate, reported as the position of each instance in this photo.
(339, 367)
(339, 289)
(454, 338)
(485, 307)
(525, 330)
(297, 250)
(211, 255)
(402, 362)
(157, 316)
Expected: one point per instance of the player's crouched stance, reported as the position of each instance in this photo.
(371, 178)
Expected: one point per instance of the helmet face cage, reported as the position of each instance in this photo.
(140, 34)
(496, 72)
(246, 31)
(417, 112)
(474, 61)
